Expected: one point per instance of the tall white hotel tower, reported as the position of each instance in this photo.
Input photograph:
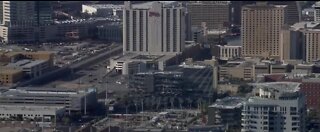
(153, 28)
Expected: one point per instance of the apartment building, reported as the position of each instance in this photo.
(260, 29)
(154, 28)
(277, 106)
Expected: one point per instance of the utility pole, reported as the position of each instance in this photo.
(85, 104)
(142, 109)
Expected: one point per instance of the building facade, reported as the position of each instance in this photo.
(226, 111)
(294, 11)
(214, 13)
(290, 44)
(110, 32)
(260, 27)
(316, 8)
(157, 82)
(72, 100)
(300, 41)
(154, 28)
(227, 52)
(103, 10)
(10, 76)
(277, 106)
(20, 20)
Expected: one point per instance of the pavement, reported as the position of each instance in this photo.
(94, 76)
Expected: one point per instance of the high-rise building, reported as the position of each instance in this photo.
(20, 20)
(260, 28)
(293, 10)
(43, 12)
(17, 13)
(277, 106)
(235, 12)
(291, 43)
(214, 13)
(154, 28)
(300, 41)
(316, 7)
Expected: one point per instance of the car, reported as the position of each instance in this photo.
(118, 82)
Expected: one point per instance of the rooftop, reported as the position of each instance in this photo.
(263, 5)
(86, 21)
(45, 91)
(164, 72)
(148, 5)
(209, 2)
(303, 25)
(27, 107)
(26, 63)
(317, 4)
(137, 57)
(229, 103)
(106, 6)
(279, 86)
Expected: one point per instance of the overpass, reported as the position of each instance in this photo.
(70, 69)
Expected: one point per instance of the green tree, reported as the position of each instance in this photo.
(66, 120)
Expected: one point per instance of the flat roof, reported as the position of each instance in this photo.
(280, 86)
(209, 2)
(34, 63)
(46, 91)
(229, 46)
(162, 72)
(317, 4)
(229, 102)
(105, 6)
(26, 63)
(302, 25)
(148, 5)
(28, 107)
(137, 57)
(314, 80)
(260, 6)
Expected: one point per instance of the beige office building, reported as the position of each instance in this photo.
(301, 41)
(260, 29)
(214, 13)
(312, 44)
